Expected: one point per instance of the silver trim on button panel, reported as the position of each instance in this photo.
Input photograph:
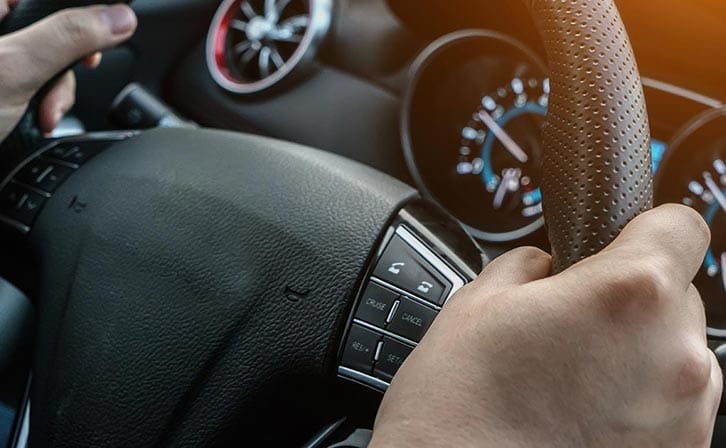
(23, 430)
(437, 263)
(40, 152)
(456, 281)
(385, 332)
(404, 293)
(362, 378)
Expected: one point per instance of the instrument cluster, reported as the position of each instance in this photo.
(694, 174)
(471, 133)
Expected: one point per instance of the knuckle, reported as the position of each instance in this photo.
(71, 26)
(15, 85)
(694, 296)
(525, 254)
(682, 217)
(694, 372)
(716, 377)
(78, 27)
(694, 221)
(700, 434)
(644, 280)
(530, 254)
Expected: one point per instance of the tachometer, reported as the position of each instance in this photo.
(694, 174)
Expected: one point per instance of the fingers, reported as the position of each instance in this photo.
(51, 45)
(673, 238)
(703, 416)
(5, 6)
(517, 267)
(94, 60)
(57, 102)
(694, 311)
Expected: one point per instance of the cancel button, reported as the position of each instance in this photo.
(411, 320)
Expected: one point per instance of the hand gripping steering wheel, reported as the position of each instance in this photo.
(195, 285)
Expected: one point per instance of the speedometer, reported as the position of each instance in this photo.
(501, 147)
(471, 130)
(694, 174)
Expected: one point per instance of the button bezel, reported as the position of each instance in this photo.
(421, 248)
(41, 153)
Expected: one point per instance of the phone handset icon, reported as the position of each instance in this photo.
(395, 268)
(425, 287)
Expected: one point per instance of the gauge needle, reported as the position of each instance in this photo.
(514, 149)
(510, 182)
(717, 193)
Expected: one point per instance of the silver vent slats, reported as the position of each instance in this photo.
(253, 44)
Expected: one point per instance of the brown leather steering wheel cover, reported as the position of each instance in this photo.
(597, 163)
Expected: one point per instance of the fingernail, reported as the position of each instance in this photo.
(120, 18)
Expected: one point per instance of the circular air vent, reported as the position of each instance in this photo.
(254, 44)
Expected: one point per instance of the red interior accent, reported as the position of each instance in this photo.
(220, 37)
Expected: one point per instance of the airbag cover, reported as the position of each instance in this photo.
(200, 289)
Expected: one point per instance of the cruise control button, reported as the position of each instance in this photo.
(375, 305)
(411, 320)
(392, 355)
(44, 175)
(360, 348)
(404, 267)
(20, 204)
(78, 152)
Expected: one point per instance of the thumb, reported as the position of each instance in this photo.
(49, 46)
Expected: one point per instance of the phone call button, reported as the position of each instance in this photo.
(403, 267)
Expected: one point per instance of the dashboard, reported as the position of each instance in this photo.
(471, 125)
(454, 103)
(449, 97)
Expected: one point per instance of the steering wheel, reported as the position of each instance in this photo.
(195, 285)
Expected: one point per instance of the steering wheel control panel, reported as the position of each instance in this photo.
(408, 286)
(29, 186)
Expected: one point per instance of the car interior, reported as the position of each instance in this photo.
(257, 208)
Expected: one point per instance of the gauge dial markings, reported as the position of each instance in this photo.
(715, 190)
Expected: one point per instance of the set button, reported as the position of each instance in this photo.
(390, 358)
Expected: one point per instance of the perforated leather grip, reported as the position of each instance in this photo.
(28, 12)
(597, 162)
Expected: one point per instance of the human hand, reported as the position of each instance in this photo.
(31, 57)
(610, 353)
